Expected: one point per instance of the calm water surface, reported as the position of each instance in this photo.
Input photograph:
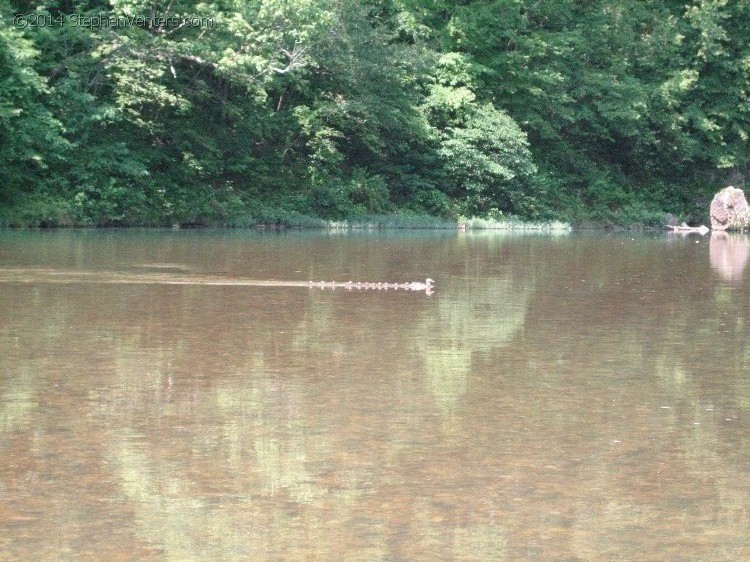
(558, 397)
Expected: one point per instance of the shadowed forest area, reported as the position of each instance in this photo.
(135, 112)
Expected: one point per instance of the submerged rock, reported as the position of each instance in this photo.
(729, 210)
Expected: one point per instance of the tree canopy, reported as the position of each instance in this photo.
(157, 112)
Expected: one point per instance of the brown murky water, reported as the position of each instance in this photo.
(557, 398)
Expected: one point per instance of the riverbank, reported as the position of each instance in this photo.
(298, 221)
(35, 214)
(281, 212)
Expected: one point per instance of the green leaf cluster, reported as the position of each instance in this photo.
(238, 111)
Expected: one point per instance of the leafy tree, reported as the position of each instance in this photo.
(275, 108)
(31, 144)
(488, 160)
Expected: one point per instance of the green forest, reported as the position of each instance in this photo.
(292, 112)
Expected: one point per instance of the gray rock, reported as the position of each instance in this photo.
(729, 210)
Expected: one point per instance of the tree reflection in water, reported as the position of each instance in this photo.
(580, 398)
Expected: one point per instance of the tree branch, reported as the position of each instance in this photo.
(294, 55)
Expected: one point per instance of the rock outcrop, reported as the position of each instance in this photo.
(729, 210)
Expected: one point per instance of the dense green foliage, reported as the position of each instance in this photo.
(230, 111)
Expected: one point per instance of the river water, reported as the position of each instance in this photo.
(557, 397)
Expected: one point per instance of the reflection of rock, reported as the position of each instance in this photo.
(729, 210)
(729, 255)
